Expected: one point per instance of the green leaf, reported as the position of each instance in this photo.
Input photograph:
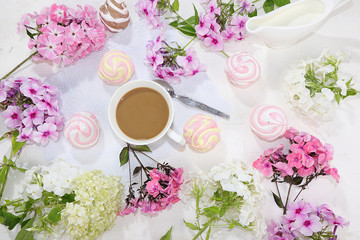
(253, 14)
(268, 6)
(211, 211)
(3, 172)
(222, 210)
(191, 226)
(175, 5)
(16, 146)
(208, 234)
(297, 180)
(54, 215)
(31, 35)
(187, 30)
(288, 179)
(5, 135)
(23, 223)
(68, 197)
(281, 3)
(337, 98)
(141, 148)
(124, 156)
(24, 234)
(174, 23)
(167, 236)
(278, 200)
(196, 16)
(10, 220)
(137, 170)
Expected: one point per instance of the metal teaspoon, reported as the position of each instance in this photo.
(190, 102)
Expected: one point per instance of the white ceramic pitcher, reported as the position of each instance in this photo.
(285, 26)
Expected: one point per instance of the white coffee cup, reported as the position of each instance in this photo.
(121, 91)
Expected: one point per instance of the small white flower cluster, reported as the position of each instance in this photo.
(320, 104)
(96, 203)
(245, 182)
(57, 177)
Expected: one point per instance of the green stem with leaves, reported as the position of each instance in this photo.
(206, 225)
(19, 65)
(287, 199)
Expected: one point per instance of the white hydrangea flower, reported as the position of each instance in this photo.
(97, 202)
(34, 191)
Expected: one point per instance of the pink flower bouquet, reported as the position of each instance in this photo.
(306, 220)
(306, 159)
(159, 190)
(31, 108)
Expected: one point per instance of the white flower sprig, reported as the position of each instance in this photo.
(313, 86)
(229, 195)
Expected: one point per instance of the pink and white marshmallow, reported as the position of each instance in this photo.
(201, 133)
(268, 122)
(116, 67)
(82, 130)
(242, 69)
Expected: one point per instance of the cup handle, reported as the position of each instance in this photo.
(176, 137)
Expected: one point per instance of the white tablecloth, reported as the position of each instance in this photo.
(341, 31)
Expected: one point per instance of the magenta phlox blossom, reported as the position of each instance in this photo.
(306, 220)
(158, 192)
(170, 62)
(148, 9)
(31, 108)
(307, 157)
(64, 34)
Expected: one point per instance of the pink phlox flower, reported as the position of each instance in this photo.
(151, 208)
(193, 72)
(308, 161)
(277, 232)
(25, 135)
(172, 76)
(25, 21)
(55, 30)
(214, 26)
(291, 133)
(296, 209)
(271, 151)
(307, 224)
(154, 59)
(264, 166)
(43, 20)
(13, 116)
(59, 121)
(339, 221)
(74, 34)
(215, 42)
(90, 15)
(58, 13)
(297, 148)
(248, 6)
(227, 34)
(334, 173)
(312, 146)
(49, 46)
(32, 90)
(284, 168)
(33, 116)
(32, 43)
(304, 171)
(64, 57)
(45, 132)
(190, 61)
(49, 104)
(326, 154)
(295, 160)
(238, 24)
(153, 187)
(324, 212)
(204, 24)
(213, 7)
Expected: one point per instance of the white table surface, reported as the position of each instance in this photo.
(341, 31)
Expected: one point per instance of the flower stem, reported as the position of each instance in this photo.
(188, 43)
(6, 170)
(201, 231)
(142, 166)
(298, 194)
(19, 65)
(287, 199)
(225, 54)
